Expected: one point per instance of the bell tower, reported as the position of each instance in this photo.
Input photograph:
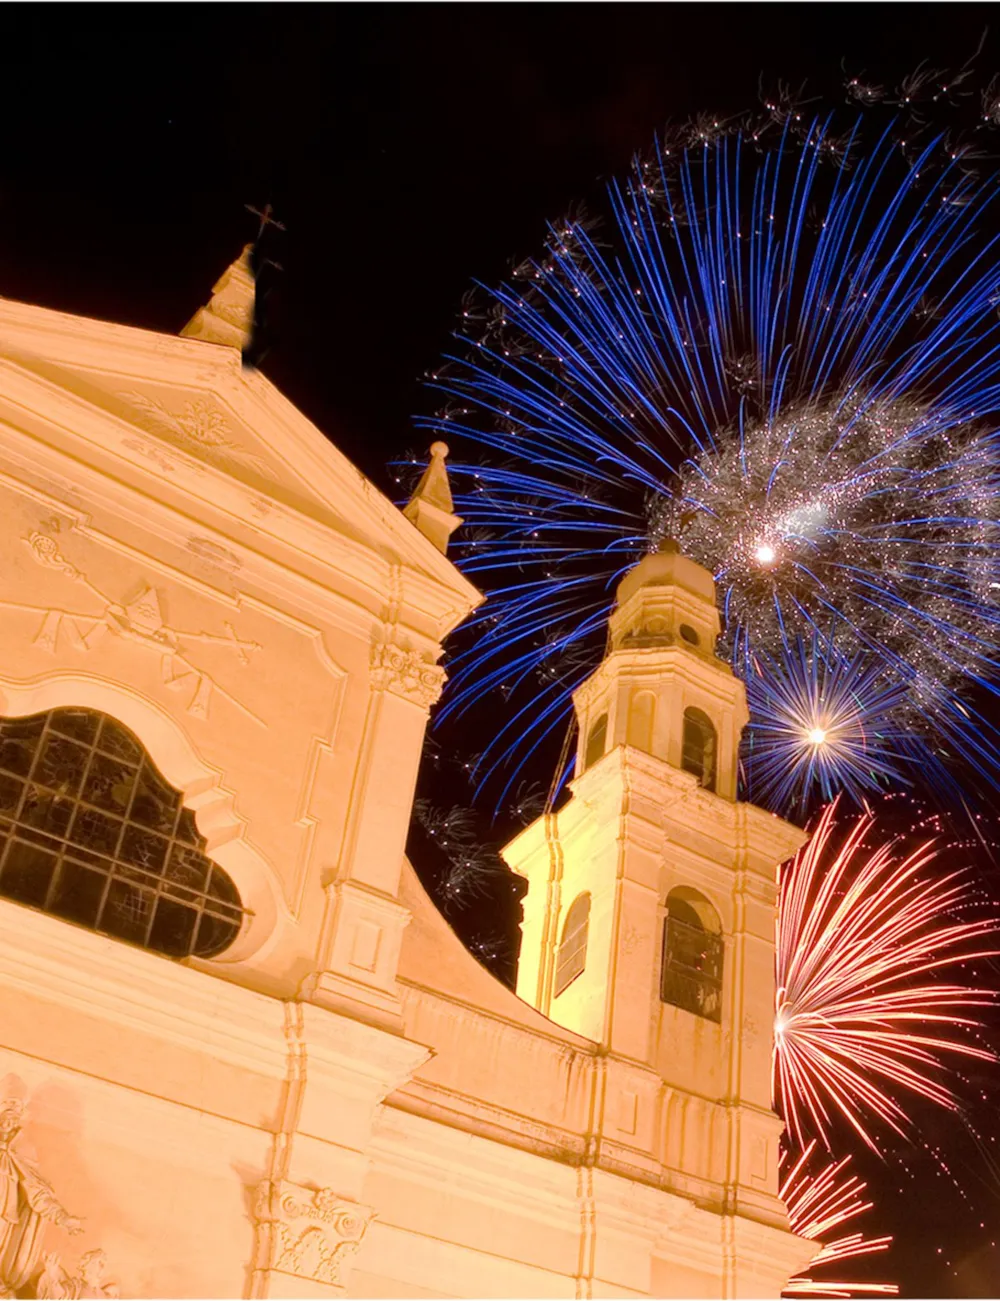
(649, 918)
(662, 690)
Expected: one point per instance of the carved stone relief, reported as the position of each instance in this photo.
(631, 940)
(90, 1280)
(138, 620)
(27, 1204)
(313, 1232)
(406, 674)
(199, 429)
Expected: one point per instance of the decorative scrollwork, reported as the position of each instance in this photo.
(406, 674)
(313, 1231)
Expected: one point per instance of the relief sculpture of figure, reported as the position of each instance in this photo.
(54, 1284)
(26, 1203)
(92, 1280)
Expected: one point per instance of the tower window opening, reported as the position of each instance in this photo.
(693, 951)
(597, 739)
(690, 635)
(90, 832)
(699, 745)
(571, 959)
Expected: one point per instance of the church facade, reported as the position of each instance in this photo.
(241, 1053)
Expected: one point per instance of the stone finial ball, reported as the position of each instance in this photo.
(439, 449)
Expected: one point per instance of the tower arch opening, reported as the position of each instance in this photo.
(699, 747)
(693, 954)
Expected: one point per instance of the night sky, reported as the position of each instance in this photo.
(408, 150)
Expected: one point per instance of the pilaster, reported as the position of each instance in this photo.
(364, 919)
(308, 1216)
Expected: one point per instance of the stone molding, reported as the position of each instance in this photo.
(125, 986)
(432, 585)
(757, 888)
(406, 673)
(310, 1232)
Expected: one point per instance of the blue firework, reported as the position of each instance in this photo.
(792, 367)
(821, 723)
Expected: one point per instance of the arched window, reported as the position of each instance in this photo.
(699, 746)
(572, 956)
(90, 832)
(692, 955)
(596, 741)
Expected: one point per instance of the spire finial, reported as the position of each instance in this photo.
(431, 507)
(227, 318)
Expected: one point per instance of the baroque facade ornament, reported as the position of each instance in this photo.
(138, 620)
(27, 1204)
(90, 1280)
(406, 673)
(199, 429)
(313, 1231)
(160, 459)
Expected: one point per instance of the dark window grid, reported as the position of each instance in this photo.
(115, 868)
(597, 741)
(153, 884)
(692, 948)
(697, 752)
(142, 777)
(692, 994)
(692, 969)
(136, 771)
(701, 765)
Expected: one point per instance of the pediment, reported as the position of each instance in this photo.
(165, 402)
(188, 419)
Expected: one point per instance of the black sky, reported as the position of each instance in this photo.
(407, 149)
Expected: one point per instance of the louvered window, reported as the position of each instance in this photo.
(571, 959)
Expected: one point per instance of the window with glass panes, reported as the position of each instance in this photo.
(91, 832)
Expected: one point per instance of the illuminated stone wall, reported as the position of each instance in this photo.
(343, 1102)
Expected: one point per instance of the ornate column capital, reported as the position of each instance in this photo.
(406, 673)
(308, 1232)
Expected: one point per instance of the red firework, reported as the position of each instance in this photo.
(863, 1012)
(819, 1205)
